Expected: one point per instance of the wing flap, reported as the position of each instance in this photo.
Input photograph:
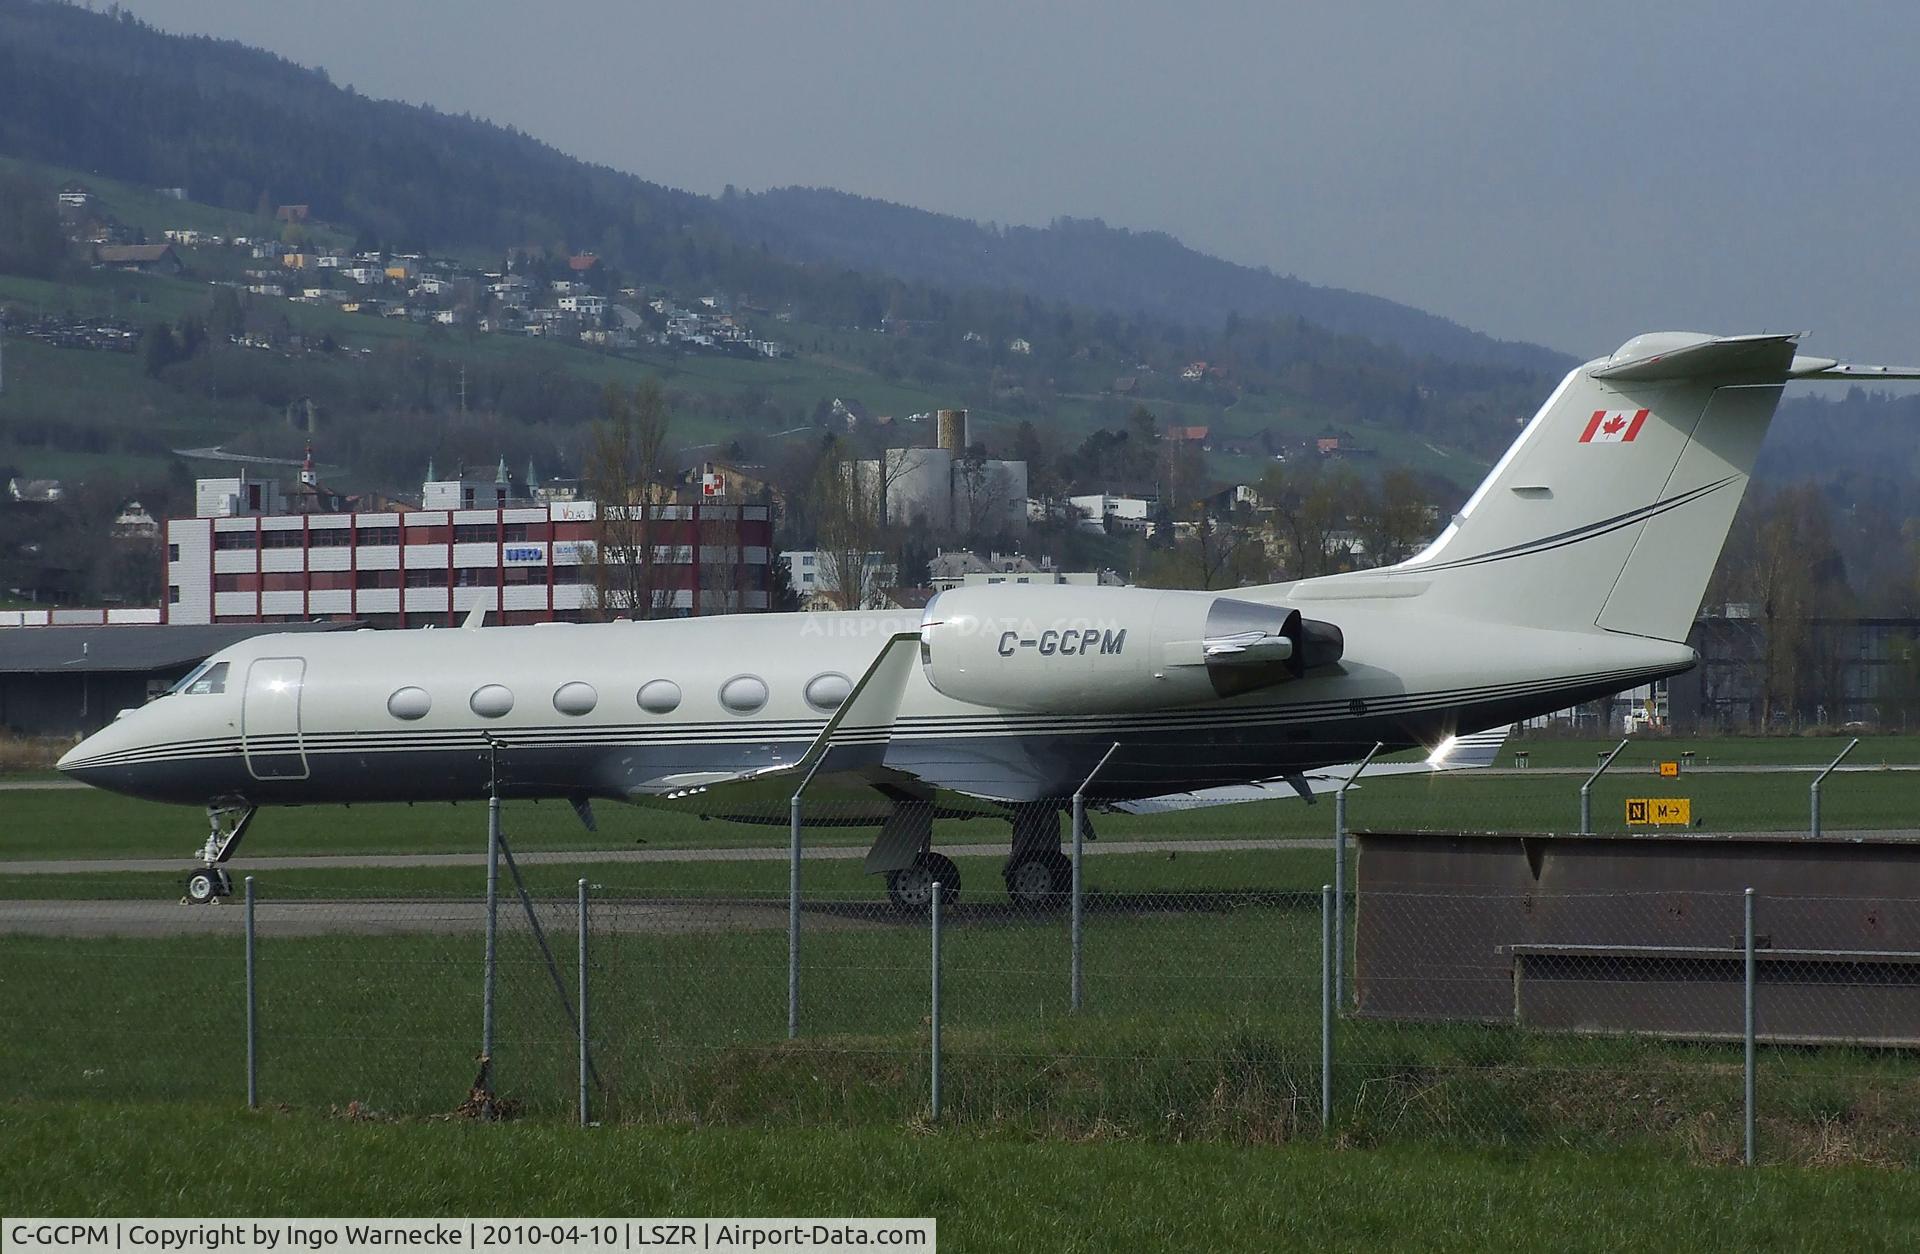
(1455, 753)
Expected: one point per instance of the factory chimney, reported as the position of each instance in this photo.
(950, 430)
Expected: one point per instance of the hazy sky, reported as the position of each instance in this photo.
(1565, 173)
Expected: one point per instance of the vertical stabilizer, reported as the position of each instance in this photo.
(1611, 508)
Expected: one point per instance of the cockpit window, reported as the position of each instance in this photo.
(206, 679)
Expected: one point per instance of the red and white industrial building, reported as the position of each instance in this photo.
(255, 553)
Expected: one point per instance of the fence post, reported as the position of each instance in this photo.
(1586, 789)
(1340, 877)
(1748, 1029)
(1813, 795)
(1076, 982)
(253, 1012)
(582, 1002)
(1326, 1008)
(493, 910)
(935, 1017)
(793, 916)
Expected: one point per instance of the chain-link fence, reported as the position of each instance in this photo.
(1199, 983)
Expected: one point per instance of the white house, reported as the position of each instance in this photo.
(813, 574)
(1128, 513)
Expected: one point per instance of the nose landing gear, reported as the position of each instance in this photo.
(227, 819)
(208, 885)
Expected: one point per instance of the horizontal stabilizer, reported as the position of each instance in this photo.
(1670, 355)
(1666, 356)
(1828, 368)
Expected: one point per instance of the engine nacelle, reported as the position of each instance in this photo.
(1076, 650)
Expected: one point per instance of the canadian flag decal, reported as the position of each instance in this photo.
(1613, 426)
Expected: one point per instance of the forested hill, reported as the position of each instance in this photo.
(1089, 263)
(245, 129)
(248, 130)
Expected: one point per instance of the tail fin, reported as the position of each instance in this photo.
(1611, 508)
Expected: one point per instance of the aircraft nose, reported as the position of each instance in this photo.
(96, 750)
(100, 760)
(74, 760)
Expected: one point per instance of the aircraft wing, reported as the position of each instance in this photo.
(856, 735)
(1453, 754)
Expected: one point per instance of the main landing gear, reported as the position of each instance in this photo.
(1038, 874)
(227, 819)
(902, 852)
(911, 887)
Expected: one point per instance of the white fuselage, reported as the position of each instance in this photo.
(412, 715)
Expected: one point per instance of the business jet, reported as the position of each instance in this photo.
(1573, 572)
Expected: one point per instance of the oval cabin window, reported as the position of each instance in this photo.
(744, 694)
(492, 701)
(827, 693)
(575, 698)
(660, 696)
(409, 703)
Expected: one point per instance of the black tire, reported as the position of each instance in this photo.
(203, 887)
(911, 888)
(1039, 879)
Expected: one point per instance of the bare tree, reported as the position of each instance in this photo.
(848, 506)
(1309, 506)
(1786, 564)
(982, 496)
(624, 475)
(883, 478)
(1216, 553)
(1392, 519)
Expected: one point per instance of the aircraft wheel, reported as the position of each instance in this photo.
(911, 888)
(1040, 879)
(203, 886)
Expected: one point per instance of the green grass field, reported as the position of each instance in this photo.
(1201, 1022)
(988, 1193)
(1200, 1034)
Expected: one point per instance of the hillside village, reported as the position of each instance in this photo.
(574, 297)
(565, 297)
(965, 514)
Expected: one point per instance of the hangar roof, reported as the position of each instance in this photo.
(141, 647)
